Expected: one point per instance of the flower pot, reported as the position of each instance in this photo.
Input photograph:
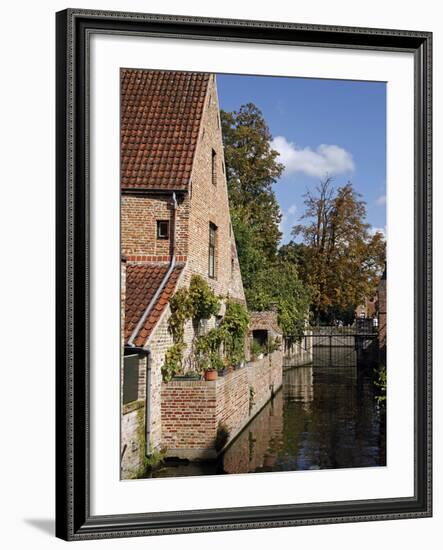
(211, 375)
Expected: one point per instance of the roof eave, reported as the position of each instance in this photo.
(153, 191)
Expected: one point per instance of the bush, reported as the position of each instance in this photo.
(256, 348)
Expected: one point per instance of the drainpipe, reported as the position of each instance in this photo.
(148, 403)
(146, 350)
(162, 284)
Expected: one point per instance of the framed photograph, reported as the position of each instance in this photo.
(243, 274)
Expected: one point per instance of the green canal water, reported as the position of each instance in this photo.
(323, 417)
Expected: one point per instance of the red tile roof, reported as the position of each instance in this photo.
(142, 282)
(160, 120)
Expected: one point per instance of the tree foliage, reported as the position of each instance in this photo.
(252, 168)
(341, 261)
(278, 286)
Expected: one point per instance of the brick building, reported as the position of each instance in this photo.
(175, 222)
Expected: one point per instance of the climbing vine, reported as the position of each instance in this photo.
(220, 347)
(181, 310)
(235, 326)
(203, 301)
(196, 302)
(173, 363)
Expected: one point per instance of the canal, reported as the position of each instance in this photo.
(323, 417)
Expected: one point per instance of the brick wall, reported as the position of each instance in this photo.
(159, 342)
(209, 203)
(139, 215)
(189, 420)
(192, 411)
(265, 377)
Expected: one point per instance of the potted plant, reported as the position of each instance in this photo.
(214, 366)
(210, 375)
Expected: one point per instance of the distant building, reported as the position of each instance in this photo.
(264, 328)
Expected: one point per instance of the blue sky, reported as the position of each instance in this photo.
(338, 126)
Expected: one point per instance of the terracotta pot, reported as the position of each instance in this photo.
(211, 375)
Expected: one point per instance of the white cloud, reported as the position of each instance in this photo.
(381, 200)
(287, 221)
(326, 159)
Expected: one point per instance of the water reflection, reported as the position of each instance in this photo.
(324, 417)
(345, 356)
(299, 384)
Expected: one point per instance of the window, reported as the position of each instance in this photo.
(130, 378)
(162, 229)
(212, 250)
(214, 167)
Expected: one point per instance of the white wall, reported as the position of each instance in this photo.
(27, 286)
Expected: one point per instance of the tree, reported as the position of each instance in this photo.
(251, 170)
(295, 253)
(343, 260)
(278, 285)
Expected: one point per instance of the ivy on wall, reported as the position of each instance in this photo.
(221, 346)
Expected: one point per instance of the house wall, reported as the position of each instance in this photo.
(132, 439)
(204, 203)
(158, 343)
(209, 203)
(139, 215)
(192, 411)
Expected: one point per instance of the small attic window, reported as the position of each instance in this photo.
(162, 229)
